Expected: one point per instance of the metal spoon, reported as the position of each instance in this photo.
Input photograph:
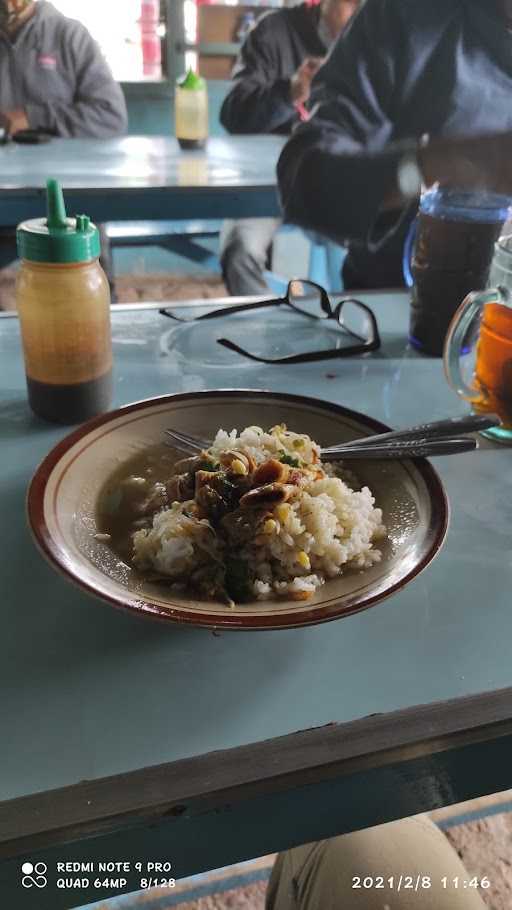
(424, 432)
(403, 448)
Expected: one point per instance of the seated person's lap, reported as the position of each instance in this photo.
(332, 874)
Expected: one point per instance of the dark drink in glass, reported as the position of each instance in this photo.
(455, 237)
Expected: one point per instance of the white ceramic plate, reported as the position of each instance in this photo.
(63, 498)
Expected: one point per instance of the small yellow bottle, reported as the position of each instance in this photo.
(63, 301)
(191, 111)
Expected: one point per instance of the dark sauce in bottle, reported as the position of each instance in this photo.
(191, 144)
(63, 301)
(69, 404)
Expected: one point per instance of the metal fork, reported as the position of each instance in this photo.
(186, 443)
(425, 439)
(421, 433)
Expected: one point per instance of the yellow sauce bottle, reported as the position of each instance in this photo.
(191, 111)
(63, 301)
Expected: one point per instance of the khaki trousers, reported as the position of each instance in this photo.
(332, 874)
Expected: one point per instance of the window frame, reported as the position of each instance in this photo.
(175, 57)
(176, 46)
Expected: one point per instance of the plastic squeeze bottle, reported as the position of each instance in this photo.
(63, 301)
(191, 111)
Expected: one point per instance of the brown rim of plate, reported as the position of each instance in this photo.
(237, 621)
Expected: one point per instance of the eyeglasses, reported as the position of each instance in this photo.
(308, 299)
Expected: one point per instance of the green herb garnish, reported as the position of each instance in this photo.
(237, 579)
(207, 464)
(289, 459)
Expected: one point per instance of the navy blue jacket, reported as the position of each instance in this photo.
(259, 100)
(403, 68)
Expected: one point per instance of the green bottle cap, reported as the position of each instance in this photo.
(191, 81)
(58, 238)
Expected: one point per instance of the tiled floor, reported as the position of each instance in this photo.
(482, 804)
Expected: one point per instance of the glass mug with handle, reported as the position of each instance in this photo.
(482, 326)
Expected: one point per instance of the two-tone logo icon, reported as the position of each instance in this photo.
(34, 875)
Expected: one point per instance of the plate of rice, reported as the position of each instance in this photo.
(252, 532)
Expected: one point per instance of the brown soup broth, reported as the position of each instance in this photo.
(124, 503)
(493, 373)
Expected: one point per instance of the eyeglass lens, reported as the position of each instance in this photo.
(355, 319)
(306, 298)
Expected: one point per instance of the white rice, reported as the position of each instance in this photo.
(176, 544)
(261, 445)
(324, 529)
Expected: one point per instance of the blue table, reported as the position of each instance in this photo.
(124, 740)
(143, 178)
(148, 191)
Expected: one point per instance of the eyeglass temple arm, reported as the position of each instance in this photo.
(229, 310)
(308, 357)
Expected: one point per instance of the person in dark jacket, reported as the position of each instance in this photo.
(403, 69)
(53, 79)
(271, 86)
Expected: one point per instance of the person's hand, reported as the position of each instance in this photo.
(482, 162)
(300, 83)
(14, 121)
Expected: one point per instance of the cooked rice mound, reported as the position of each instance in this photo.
(265, 519)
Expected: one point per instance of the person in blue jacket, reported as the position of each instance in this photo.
(404, 70)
